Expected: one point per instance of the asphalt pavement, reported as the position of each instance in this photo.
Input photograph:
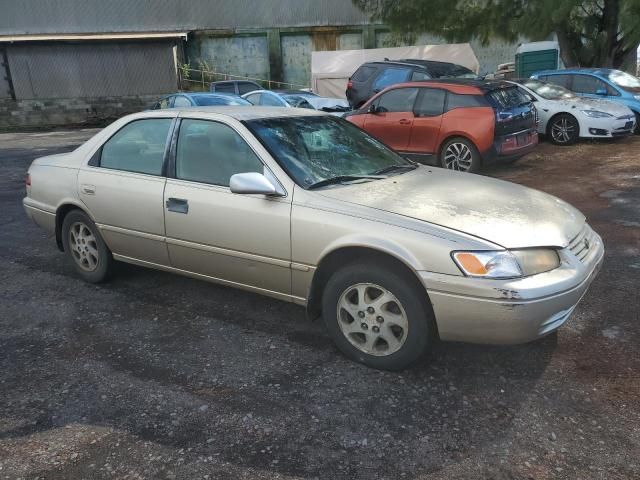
(157, 376)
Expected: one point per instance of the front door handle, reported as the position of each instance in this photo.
(178, 205)
(88, 189)
(404, 121)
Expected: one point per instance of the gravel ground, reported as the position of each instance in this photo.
(157, 376)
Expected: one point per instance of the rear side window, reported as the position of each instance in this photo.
(418, 76)
(246, 87)
(562, 80)
(224, 88)
(430, 102)
(456, 100)
(254, 99)
(181, 101)
(363, 73)
(391, 76)
(269, 100)
(137, 147)
(211, 152)
(590, 85)
(508, 97)
(397, 100)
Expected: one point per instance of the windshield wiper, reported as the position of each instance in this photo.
(391, 168)
(343, 178)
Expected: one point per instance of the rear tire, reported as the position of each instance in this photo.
(563, 129)
(461, 155)
(85, 247)
(378, 316)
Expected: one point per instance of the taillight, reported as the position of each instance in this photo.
(27, 180)
(349, 84)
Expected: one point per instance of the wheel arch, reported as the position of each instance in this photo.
(61, 212)
(347, 254)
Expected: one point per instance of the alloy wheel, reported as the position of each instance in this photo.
(372, 319)
(83, 247)
(563, 130)
(458, 156)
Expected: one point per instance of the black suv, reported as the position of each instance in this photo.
(373, 77)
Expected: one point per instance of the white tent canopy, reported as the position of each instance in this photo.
(330, 71)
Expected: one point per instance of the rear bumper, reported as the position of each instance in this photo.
(512, 146)
(511, 311)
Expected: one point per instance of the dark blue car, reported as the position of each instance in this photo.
(178, 100)
(613, 85)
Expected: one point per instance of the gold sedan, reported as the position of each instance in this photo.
(308, 208)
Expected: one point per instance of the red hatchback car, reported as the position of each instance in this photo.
(455, 124)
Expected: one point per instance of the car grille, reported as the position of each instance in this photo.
(580, 246)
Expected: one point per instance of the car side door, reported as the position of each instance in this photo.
(122, 186)
(238, 239)
(391, 117)
(428, 111)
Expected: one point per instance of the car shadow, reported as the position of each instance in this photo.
(177, 362)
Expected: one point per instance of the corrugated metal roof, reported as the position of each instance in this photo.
(91, 36)
(29, 17)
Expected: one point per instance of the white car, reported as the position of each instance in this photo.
(297, 99)
(565, 117)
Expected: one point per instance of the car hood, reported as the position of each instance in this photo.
(501, 212)
(612, 108)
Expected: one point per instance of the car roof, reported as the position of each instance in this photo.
(595, 71)
(203, 94)
(460, 84)
(219, 82)
(246, 112)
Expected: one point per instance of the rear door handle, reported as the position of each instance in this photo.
(404, 121)
(178, 205)
(88, 189)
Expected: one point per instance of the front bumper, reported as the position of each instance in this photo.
(512, 311)
(607, 127)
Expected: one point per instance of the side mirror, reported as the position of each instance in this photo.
(252, 183)
(602, 92)
(372, 109)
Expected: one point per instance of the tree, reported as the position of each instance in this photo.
(603, 33)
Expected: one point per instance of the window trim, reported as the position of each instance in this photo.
(95, 160)
(173, 154)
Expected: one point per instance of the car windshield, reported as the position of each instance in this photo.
(206, 100)
(625, 80)
(315, 149)
(549, 91)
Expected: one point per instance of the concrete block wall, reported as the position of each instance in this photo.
(47, 113)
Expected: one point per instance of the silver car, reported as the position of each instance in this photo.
(307, 208)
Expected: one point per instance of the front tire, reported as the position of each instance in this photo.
(377, 316)
(85, 247)
(637, 129)
(461, 155)
(563, 129)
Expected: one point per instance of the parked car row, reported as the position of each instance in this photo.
(441, 113)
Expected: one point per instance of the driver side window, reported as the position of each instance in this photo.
(211, 152)
(397, 100)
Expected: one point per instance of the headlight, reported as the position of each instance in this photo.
(507, 263)
(596, 114)
(637, 97)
